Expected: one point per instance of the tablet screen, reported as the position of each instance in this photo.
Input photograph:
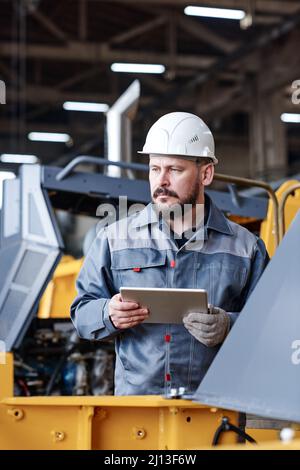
(167, 305)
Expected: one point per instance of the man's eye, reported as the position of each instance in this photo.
(176, 170)
(154, 169)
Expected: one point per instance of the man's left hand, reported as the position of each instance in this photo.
(208, 328)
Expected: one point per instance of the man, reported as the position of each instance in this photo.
(227, 261)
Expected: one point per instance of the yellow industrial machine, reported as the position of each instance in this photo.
(112, 423)
(136, 422)
(290, 197)
(61, 290)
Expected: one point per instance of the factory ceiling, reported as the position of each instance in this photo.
(57, 51)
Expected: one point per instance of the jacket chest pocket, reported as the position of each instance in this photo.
(224, 283)
(135, 268)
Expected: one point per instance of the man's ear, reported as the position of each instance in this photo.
(207, 174)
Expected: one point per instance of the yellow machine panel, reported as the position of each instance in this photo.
(60, 292)
(291, 208)
(112, 423)
(106, 422)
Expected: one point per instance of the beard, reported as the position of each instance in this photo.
(190, 198)
(170, 211)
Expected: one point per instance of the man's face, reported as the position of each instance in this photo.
(174, 181)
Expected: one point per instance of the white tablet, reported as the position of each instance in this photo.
(167, 305)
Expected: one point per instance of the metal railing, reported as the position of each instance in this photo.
(258, 184)
(100, 162)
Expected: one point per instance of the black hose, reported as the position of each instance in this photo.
(227, 426)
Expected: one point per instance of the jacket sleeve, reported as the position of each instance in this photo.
(89, 310)
(260, 259)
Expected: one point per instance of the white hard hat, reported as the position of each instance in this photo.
(180, 134)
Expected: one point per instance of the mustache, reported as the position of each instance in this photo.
(164, 192)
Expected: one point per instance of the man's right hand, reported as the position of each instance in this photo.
(124, 314)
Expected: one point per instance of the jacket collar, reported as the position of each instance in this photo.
(216, 220)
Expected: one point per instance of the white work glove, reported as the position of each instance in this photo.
(208, 328)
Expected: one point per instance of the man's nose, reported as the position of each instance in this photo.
(163, 179)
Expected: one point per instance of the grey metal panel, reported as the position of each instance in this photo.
(245, 206)
(30, 265)
(96, 184)
(53, 219)
(257, 370)
(28, 258)
(10, 215)
(11, 207)
(33, 204)
(28, 283)
(7, 254)
(11, 310)
(34, 223)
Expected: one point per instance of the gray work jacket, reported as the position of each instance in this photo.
(152, 358)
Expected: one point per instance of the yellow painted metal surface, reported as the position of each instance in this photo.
(269, 445)
(106, 422)
(175, 424)
(109, 423)
(291, 208)
(148, 422)
(265, 436)
(60, 292)
(113, 423)
(6, 376)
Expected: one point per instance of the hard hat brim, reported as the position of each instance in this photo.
(215, 161)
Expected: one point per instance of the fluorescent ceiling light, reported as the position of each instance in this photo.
(291, 117)
(224, 13)
(49, 137)
(89, 107)
(137, 68)
(18, 158)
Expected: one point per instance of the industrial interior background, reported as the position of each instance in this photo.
(237, 78)
(241, 77)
